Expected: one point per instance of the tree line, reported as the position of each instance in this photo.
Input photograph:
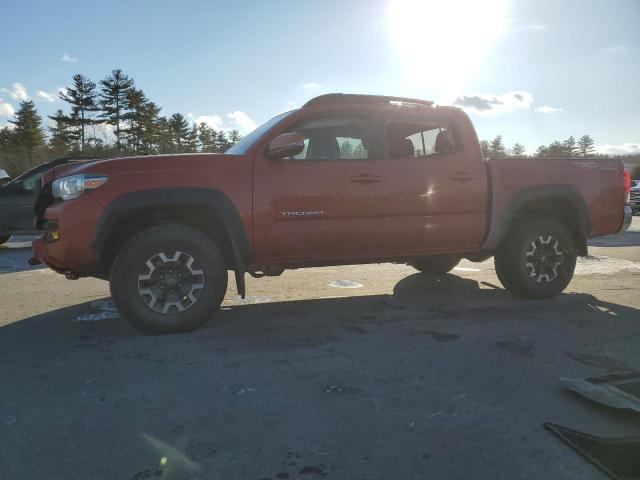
(583, 147)
(113, 105)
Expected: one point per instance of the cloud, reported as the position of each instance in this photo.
(516, 25)
(19, 91)
(613, 48)
(491, 103)
(236, 120)
(47, 97)
(621, 149)
(68, 58)
(311, 86)
(214, 121)
(242, 122)
(6, 110)
(547, 109)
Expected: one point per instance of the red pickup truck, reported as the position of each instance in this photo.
(346, 179)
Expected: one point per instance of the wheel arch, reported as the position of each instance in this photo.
(559, 201)
(207, 210)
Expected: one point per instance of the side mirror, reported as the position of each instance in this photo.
(285, 145)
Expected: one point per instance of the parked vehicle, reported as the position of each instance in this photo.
(346, 179)
(16, 201)
(4, 177)
(634, 197)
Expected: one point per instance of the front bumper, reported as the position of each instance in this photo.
(628, 216)
(72, 252)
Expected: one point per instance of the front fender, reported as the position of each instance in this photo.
(128, 203)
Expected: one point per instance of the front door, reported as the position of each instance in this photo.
(324, 203)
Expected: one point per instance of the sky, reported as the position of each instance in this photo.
(533, 71)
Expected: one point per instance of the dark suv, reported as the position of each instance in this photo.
(16, 201)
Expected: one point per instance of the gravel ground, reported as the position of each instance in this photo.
(355, 372)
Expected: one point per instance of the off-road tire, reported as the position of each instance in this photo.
(522, 273)
(4, 239)
(171, 240)
(435, 264)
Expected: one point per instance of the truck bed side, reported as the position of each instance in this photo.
(588, 191)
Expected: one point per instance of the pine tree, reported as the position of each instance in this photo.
(180, 132)
(63, 138)
(165, 137)
(192, 139)
(569, 147)
(135, 104)
(234, 137)
(149, 129)
(555, 150)
(206, 138)
(28, 132)
(586, 146)
(518, 150)
(115, 89)
(541, 151)
(82, 98)
(222, 142)
(496, 148)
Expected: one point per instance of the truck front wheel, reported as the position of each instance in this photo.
(537, 258)
(436, 264)
(168, 279)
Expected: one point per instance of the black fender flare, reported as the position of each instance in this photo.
(498, 227)
(174, 197)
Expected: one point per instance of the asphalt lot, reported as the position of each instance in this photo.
(400, 376)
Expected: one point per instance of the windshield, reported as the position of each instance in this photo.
(245, 143)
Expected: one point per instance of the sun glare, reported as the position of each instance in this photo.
(441, 42)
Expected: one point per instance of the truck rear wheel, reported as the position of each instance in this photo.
(436, 264)
(537, 258)
(168, 279)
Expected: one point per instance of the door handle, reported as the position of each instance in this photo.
(364, 179)
(462, 177)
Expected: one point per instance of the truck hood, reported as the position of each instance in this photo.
(146, 163)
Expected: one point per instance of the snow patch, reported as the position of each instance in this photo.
(344, 284)
(107, 310)
(250, 299)
(467, 269)
(593, 265)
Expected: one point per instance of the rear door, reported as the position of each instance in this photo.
(435, 186)
(324, 203)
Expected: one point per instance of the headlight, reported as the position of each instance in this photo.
(73, 186)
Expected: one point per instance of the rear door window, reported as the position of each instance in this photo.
(411, 139)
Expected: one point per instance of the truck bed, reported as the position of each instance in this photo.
(595, 185)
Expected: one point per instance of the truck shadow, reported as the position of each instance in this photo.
(446, 302)
(624, 239)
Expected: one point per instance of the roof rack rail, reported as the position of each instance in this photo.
(353, 98)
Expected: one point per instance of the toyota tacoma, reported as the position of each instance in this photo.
(346, 179)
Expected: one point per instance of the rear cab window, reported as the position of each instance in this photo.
(420, 138)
